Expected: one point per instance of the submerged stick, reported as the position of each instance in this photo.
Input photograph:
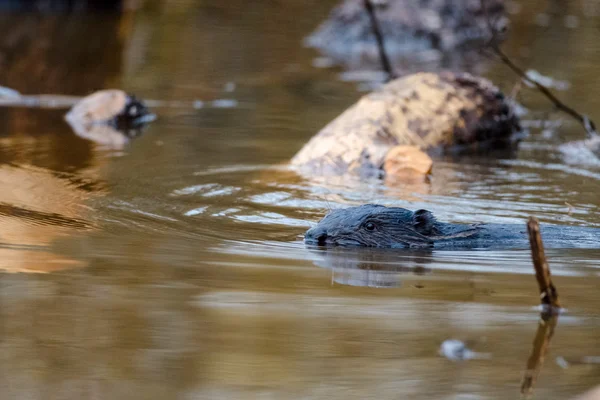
(548, 293)
(385, 61)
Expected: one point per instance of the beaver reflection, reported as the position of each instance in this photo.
(368, 267)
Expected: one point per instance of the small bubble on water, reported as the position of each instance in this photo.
(571, 21)
(229, 87)
(542, 19)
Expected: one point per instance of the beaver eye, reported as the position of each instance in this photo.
(369, 226)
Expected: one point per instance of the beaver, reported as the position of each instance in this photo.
(410, 28)
(372, 225)
(445, 112)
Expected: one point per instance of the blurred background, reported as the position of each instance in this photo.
(174, 267)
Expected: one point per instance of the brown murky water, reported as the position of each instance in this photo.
(174, 268)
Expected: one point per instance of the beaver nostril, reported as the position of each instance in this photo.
(316, 235)
(321, 239)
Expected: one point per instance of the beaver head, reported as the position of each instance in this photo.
(372, 225)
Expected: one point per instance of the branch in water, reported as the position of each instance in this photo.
(587, 123)
(548, 293)
(549, 314)
(385, 61)
(584, 120)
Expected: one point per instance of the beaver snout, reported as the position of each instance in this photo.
(316, 236)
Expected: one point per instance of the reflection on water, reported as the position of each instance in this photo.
(197, 333)
(37, 209)
(371, 267)
(178, 267)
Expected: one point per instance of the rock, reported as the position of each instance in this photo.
(109, 117)
(409, 28)
(431, 112)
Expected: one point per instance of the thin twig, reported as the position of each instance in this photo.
(385, 61)
(516, 89)
(548, 293)
(493, 44)
(584, 120)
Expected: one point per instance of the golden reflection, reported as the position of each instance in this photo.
(48, 175)
(37, 209)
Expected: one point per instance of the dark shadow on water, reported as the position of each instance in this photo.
(55, 54)
(41, 218)
(64, 54)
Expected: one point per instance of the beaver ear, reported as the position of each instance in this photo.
(423, 221)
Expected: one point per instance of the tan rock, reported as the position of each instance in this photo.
(433, 112)
(98, 107)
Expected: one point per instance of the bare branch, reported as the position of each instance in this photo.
(385, 61)
(584, 120)
(493, 44)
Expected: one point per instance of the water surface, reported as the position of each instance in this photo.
(174, 268)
